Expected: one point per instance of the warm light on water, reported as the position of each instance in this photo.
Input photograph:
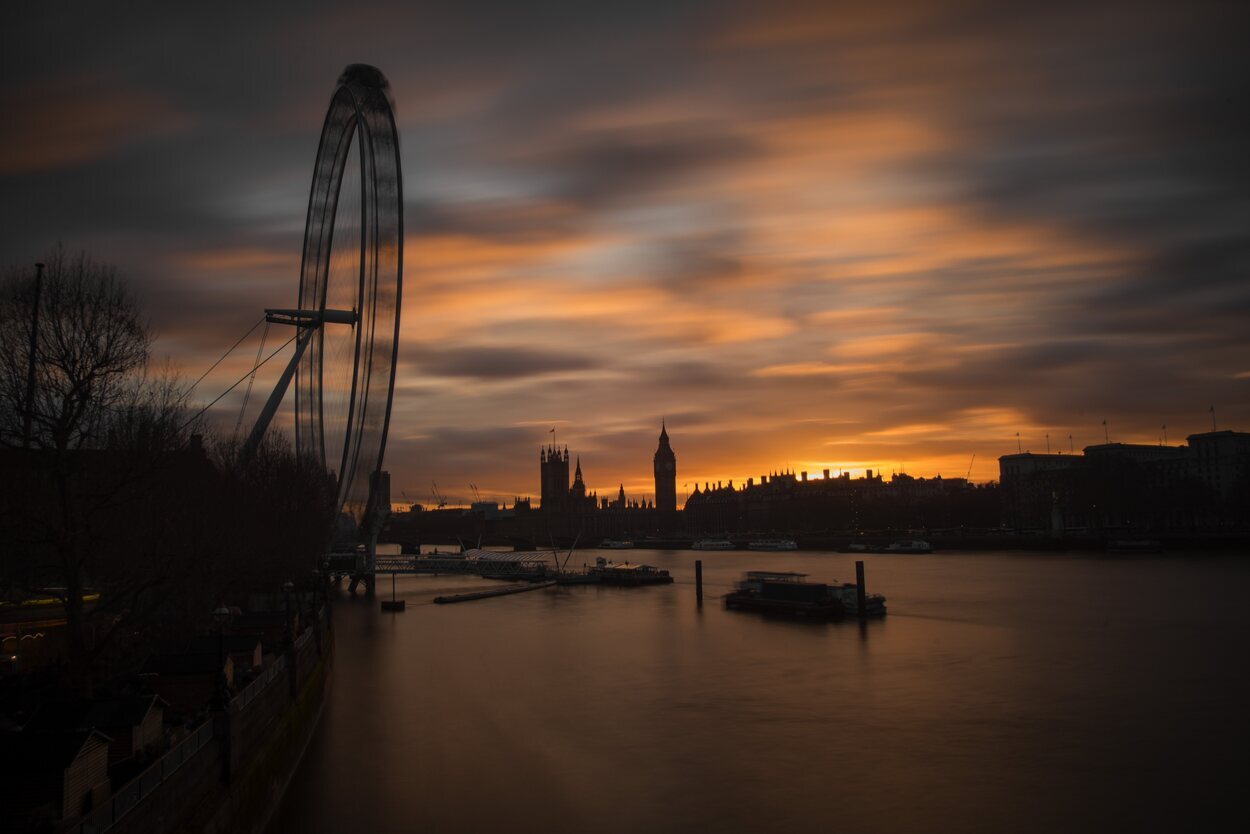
(1004, 692)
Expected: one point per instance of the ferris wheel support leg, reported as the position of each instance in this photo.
(275, 399)
(371, 563)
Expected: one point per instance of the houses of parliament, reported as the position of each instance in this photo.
(558, 497)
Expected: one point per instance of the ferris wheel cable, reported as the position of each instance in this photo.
(239, 381)
(249, 332)
(247, 395)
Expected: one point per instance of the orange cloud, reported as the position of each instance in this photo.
(74, 119)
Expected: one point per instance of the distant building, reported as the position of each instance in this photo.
(187, 681)
(665, 468)
(557, 496)
(789, 502)
(1203, 487)
(132, 724)
(554, 468)
(47, 777)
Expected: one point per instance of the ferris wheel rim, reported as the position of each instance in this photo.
(360, 115)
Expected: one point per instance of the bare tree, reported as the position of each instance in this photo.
(110, 492)
(85, 454)
(90, 343)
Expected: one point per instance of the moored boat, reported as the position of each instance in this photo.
(773, 544)
(908, 546)
(1134, 546)
(617, 544)
(874, 604)
(624, 573)
(713, 544)
(901, 546)
(786, 593)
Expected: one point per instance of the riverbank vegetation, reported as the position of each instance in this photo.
(120, 505)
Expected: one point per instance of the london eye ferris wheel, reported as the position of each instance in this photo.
(348, 304)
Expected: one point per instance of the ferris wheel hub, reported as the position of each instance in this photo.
(310, 318)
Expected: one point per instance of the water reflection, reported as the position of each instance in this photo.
(1003, 692)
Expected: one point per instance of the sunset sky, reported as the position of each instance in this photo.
(846, 236)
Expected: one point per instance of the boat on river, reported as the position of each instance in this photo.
(1134, 546)
(713, 544)
(617, 544)
(773, 544)
(624, 573)
(902, 546)
(787, 594)
(874, 604)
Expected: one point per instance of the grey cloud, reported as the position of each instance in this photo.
(500, 363)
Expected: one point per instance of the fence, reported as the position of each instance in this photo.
(142, 786)
(249, 692)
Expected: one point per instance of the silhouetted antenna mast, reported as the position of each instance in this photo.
(1018, 449)
(29, 417)
(1071, 451)
(1105, 435)
(1212, 418)
(1165, 434)
(1048, 443)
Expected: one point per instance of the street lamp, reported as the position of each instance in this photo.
(287, 587)
(221, 616)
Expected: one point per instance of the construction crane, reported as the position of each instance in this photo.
(477, 496)
(439, 500)
(968, 474)
(411, 503)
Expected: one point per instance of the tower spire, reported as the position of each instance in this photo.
(665, 463)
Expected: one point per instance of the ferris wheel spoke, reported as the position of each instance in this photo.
(352, 247)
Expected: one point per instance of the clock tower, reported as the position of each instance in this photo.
(665, 475)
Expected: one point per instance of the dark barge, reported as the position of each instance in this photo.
(785, 593)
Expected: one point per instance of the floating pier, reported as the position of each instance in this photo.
(493, 592)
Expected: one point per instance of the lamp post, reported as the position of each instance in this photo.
(221, 616)
(287, 587)
(292, 656)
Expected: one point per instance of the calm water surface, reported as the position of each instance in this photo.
(1004, 692)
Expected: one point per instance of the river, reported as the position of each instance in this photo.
(1003, 692)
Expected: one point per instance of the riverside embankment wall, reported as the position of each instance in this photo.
(229, 774)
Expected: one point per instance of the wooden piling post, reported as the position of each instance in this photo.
(861, 593)
(698, 580)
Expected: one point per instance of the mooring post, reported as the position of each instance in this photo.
(698, 580)
(861, 593)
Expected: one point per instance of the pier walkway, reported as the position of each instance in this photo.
(527, 564)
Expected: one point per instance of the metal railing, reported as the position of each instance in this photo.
(253, 689)
(142, 786)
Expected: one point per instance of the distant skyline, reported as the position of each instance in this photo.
(814, 235)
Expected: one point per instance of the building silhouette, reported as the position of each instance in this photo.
(665, 466)
(792, 502)
(1202, 487)
(554, 468)
(557, 496)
